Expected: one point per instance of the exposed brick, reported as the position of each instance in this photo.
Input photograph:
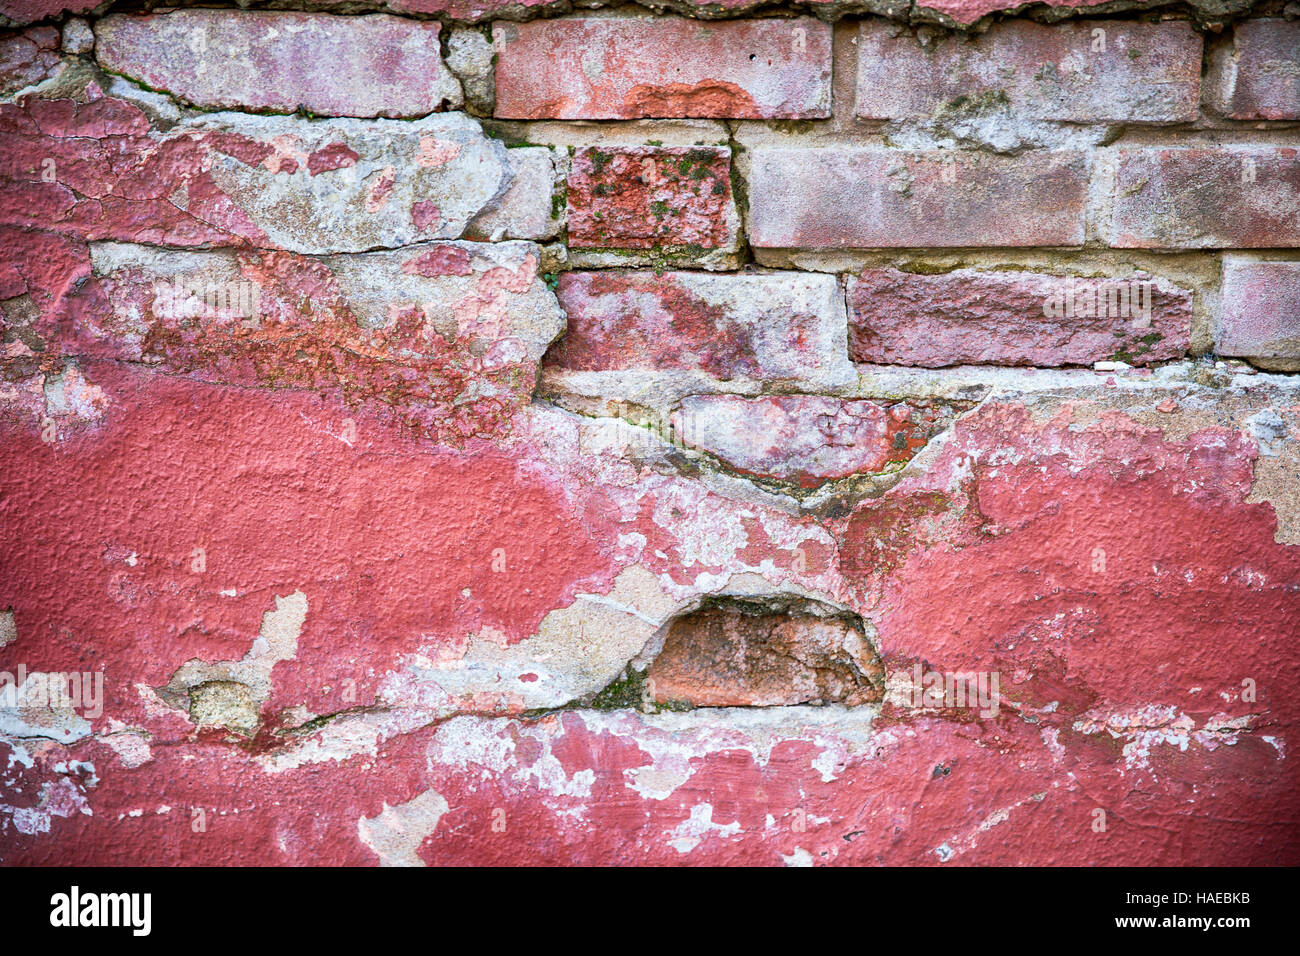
(806, 439)
(1132, 72)
(864, 197)
(28, 57)
(1013, 318)
(29, 11)
(375, 65)
(648, 197)
(97, 170)
(770, 327)
(742, 654)
(1261, 309)
(1257, 75)
(631, 67)
(396, 545)
(444, 337)
(1206, 197)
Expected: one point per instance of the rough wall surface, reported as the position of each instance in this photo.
(442, 432)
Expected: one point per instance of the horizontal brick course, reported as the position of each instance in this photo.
(1129, 72)
(1260, 315)
(1206, 197)
(1013, 318)
(98, 170)
(632, 67)
(863, 197)
(1257, 75)
(375, 65)
(770, 327)
(450, 333)
(649, 197)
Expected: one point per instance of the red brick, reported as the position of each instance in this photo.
(98, 170)
(1261, 309)
(769, 327)
(631, 67)
(739, 654)
(1142, 72)
(27, 57)
(806, 439)
(1013, 318)
(648, 197)
(1257, 76)
(863, 197)
(443, 337)
(1206, 197)
(29, 11)
(375, 65)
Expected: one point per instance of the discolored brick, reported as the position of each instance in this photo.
(650, 197)
(839, 197)
(630, 67)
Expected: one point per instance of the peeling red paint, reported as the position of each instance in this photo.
(383, 538)
(333, 156)
(1084, 603)
(391, 547)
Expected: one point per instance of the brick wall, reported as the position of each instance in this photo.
(496, 432)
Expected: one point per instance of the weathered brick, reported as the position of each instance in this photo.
(96, 170)
(632, 67)
(1206, 197)
(865, 197)
(650, 197)
(28, 57)
(806, 439)
(747, 654)
(1260, 315)
(1130, 72)
(1257, 75)
(780, 327)
(445, 337)
(1013, 318)
(375, 65)
(966, 12)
